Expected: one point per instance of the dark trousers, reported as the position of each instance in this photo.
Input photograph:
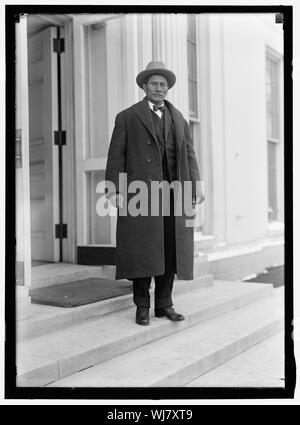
(163, 283)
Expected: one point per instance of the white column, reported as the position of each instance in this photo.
(170, 46)
(204, 102)
(80, 95)
(130, 57)
(23, 248)
(115, 77)
(144, 44)
(216, 111)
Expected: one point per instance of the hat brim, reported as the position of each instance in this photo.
(144, 75)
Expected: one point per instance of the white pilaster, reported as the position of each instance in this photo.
(205, 153)
(217, 119)
(130, 51)
(170, 46)
(23, 232)
(144, 44)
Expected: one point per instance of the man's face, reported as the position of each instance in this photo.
(156, 89)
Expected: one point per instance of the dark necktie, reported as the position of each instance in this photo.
(158, 108)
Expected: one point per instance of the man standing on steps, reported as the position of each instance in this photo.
(151, 142)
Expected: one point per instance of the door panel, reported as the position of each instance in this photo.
(42, 79)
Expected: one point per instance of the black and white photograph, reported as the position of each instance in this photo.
(153, 225)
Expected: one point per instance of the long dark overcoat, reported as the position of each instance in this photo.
(134, 150)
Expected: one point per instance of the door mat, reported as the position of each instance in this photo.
(73, 294)
(273, 275)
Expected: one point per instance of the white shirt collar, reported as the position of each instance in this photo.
(159, 113)
(152, 104)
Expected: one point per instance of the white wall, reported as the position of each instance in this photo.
(232, 51)
(238, 124)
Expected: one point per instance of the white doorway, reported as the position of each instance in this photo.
(100, 71)
(23, 246)
(43, 159)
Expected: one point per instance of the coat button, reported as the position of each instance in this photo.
(148, 142)
(149, 160)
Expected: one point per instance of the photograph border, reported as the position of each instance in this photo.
(13, 12)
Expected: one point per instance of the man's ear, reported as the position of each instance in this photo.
(144, 87)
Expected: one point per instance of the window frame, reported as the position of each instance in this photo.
(275, 105)
(276, 59)
(194, 42)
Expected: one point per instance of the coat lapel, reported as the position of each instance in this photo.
(168, 122)
(142, 110)
(178, 124)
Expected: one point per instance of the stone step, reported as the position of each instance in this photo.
(51, 357)
(262, 366)
(35, 320)
(179, 358)
(202, 243)
(201, 264)
(55, 273)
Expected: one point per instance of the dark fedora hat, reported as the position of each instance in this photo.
(156, 68)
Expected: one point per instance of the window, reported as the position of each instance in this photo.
(193, 82)
(192, 64)
(273, 134)
(272, 99)
(272, 178)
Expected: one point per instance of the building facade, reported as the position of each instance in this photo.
(76, 72)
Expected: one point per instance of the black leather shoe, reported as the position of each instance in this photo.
(142, 316)
(170, 313)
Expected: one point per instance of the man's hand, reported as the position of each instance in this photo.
(116, 200)
(199, 199)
